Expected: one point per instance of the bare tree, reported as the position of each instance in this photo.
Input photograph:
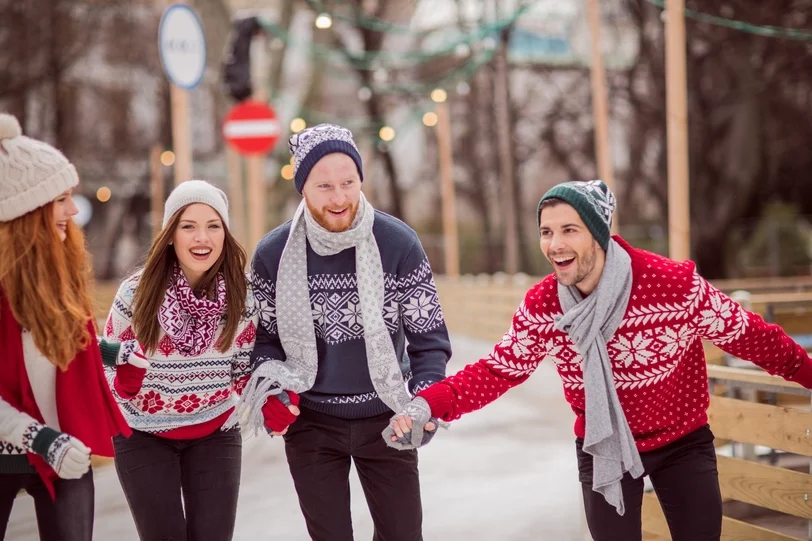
(746, 93)
(372, 44)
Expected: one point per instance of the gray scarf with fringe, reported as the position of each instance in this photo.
(590, 324)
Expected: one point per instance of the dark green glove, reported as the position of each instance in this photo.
(109, 351)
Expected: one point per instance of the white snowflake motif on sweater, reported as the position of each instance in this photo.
(723, 319)
(635, 349)
(675, 339)
(337, 315)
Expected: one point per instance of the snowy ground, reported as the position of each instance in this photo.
(507, 472)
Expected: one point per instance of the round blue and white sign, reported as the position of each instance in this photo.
(182, 46)
(85, 210)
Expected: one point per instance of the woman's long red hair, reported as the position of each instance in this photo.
(47, 282)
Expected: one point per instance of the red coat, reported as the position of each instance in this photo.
(86, 408)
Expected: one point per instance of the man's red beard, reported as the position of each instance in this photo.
(329, 221)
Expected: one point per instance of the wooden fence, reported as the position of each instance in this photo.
(482, 307)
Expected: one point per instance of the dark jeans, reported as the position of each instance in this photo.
(157, 473)
(69, 517)
(686, 482)
(320, 449)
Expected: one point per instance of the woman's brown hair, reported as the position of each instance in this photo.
(157, 274)
(47, 282)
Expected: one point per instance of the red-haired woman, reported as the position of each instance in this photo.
(186, 324)
(55, 406)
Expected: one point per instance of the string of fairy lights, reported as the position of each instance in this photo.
(472, 46)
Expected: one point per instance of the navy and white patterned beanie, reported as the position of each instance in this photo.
(312, 144)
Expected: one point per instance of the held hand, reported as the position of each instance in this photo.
(280, 411)
(130, 374)
(412, 428)
(138, 358)
(402, 426)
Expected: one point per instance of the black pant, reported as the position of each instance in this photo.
(68, 517)
(686, 481)
(320, 448)
(157, 473)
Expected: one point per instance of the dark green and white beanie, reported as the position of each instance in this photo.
(594, 202)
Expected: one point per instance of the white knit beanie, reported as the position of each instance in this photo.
(196, 191)
(32, 173)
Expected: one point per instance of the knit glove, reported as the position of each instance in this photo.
(420, 413)
(109, 351)
(277, 411)
(68, 457)
(130, 373)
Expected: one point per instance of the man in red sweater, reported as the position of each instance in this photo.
(624, 328)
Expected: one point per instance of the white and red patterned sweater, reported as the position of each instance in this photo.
(657, 355)
(182, 397)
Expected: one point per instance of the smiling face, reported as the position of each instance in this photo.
(332, 192)
(198, 240)
(64, 210)
(568, 245)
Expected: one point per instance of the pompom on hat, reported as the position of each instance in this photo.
(32, 173)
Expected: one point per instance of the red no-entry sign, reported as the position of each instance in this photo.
(251, 127)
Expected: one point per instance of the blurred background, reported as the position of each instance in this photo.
(465, 112)
(86, 75)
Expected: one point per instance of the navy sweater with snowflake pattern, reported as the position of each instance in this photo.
(412, 313)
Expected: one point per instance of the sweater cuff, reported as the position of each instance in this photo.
(803, 375)
(109, 352)
(43, 440)
(441, 400)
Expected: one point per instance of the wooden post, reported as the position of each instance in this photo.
(156, 188)
(236, 195)
(254, 168)
(676, 90)
(450, 234)
(600, 107)
(181, 133)
(503, 128)
(366, 146)
(257, 195)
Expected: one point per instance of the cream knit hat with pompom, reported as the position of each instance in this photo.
(32, 173)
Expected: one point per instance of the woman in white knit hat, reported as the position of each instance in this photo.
(186, 323)
(55, 406)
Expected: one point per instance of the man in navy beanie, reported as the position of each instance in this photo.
(342, 288)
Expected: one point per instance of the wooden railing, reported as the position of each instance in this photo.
(482, 307)
(775, 488)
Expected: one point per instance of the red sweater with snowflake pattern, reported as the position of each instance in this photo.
(657, 356)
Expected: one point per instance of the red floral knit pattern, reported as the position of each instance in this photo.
(657, 356)
(180, 396)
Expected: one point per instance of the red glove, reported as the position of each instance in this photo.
(130, 376)
(277, 415)
(128, 380)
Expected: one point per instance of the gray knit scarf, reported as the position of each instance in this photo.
(590, 324)
(295, 320)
